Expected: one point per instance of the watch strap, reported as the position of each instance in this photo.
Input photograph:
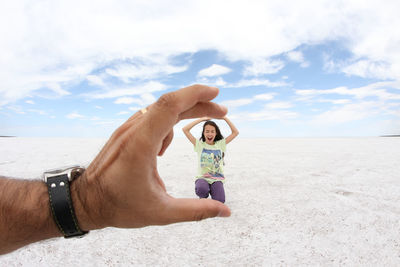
(61, 206)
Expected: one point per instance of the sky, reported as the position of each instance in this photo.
(284, 68)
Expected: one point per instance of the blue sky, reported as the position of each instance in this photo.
(284, 68)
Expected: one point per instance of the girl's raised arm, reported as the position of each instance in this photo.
(234, 133)
(187, 128)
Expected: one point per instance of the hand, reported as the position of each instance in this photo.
(122, 187)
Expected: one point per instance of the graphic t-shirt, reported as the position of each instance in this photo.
(210, 160)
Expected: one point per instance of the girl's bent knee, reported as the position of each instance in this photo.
(202, 188)
(218, 192)
(220, 199)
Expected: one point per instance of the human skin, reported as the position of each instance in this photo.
(209, 133)
(211, 130)
(121, 187)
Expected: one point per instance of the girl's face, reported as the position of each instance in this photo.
(209, 134)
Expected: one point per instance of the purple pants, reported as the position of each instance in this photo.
(216, 190)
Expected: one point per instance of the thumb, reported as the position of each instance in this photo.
(188, 209)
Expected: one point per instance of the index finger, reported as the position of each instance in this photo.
(164, 113)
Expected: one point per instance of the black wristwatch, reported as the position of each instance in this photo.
(58, 184)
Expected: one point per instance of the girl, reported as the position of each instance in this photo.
(210, 149)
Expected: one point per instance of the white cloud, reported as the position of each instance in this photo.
(270, 111)
(38, 111)
(31, 102)
(146, 88)
(16, 109)
(144, 99)
(264, 96)
(298, 57)
(74, 115)
(147, 99)
(365, 68)
(56, 88)
(231, 104)
(295, 56)
(366, 102)
(348, 113)
(393, 109)
(237, 102)
(264, 115)
(369, 69)
(148, 69)
(261, 67)
(126, 100)
(330, 65)
(377, 90)
(270, 114)
(214, 70)
(334, 101)
(279, 105)
(112, 123)
(219, 82)
(255, 82)
(212, 81)
(95, 80)
(79, 41)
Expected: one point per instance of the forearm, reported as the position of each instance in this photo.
(232, 126)
(192, 124)
(24, 214)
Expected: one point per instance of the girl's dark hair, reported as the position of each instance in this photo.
(218, 135)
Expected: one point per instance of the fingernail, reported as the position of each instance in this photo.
(224, 213)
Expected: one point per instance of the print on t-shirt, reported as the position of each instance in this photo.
(211, 161)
